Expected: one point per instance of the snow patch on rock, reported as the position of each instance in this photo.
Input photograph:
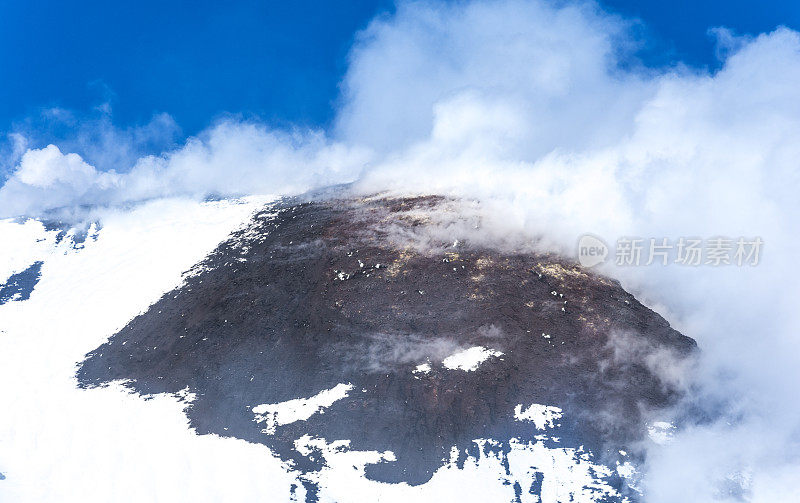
(469, 359)
(298, 409)
(542, 416)
(422, 368)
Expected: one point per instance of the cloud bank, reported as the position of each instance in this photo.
(541, 112)
(230, 159)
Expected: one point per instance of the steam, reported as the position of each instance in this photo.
(673, 370)
(384, 352)
(541, 113)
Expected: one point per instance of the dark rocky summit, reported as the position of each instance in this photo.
(19, 286)
(343, 290)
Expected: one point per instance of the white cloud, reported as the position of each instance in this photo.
(549, 67)
(47, 176)
(229, 159)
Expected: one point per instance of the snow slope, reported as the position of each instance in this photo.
(62, 443)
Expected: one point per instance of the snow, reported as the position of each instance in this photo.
(566, 474)
(61, 443)
(108, 443)
(422, 368)
(542, 416)
(469, 359)
(24, 243)
(626, 469)
(631, 476)
(298, 409)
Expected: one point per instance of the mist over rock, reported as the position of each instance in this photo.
(391, 323)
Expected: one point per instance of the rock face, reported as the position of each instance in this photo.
(19, 286)
(377, 321)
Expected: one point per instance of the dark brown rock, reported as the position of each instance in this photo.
(361, 291)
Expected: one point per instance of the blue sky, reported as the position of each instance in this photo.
(279, 61)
